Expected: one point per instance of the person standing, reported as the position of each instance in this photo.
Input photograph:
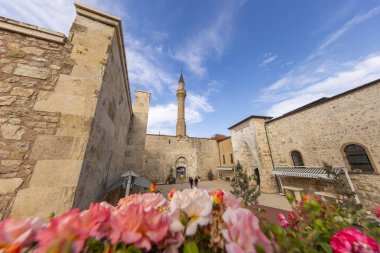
(196, 182)
(191, 182)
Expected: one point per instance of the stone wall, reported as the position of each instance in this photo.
(105, 156)
(65, 114)
(137, 136)
(225, 152)
(321, 132)
(162, 152)
(29, 66)
(251, 149)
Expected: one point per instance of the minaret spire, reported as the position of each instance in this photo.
(181, 95)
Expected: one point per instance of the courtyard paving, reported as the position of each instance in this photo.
(273, 200)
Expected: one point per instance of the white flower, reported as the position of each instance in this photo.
(196, 204)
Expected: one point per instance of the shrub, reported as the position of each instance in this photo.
(170, 179)
(210, 175)
(242, 186)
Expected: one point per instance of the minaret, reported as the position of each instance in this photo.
(181, 95)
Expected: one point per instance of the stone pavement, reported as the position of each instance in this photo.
(273, 200)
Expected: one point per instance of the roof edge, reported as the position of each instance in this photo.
(248, 118)
(31, 30)
(114, 21)
(313, 104)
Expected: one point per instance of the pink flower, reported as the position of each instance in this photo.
(283, 221)
(18, 233)
(63, 234)
(127, 200)
(229, 200)
(97, 219)
(293, 218)
(351, 240)
(196, 204)
(243, 232)
(152, 200)
(147, 200)
(123, 227)
(377, 210)
(133, 224)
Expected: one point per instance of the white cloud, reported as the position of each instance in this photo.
(145, 61)
(209, 42)
(316, 77)
(56, 15)
(350, 76)
(268, 59)
(146, 66)
(336, 35)
(163, 118)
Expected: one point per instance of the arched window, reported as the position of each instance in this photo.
(358, 158)
(297, 159)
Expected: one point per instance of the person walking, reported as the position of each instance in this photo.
(196, 182)
(191, 182)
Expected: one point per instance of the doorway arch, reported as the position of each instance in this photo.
(248, 161)
(180, 167)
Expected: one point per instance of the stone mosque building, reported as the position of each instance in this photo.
(69, 131)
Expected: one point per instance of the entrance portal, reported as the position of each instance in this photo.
(180, 172)
(180, 165)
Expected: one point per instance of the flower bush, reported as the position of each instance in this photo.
(192, 220)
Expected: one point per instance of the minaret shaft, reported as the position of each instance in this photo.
(181, 95)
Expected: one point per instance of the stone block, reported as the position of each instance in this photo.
(15, 53)
(56, 173)
(10, 185)
(31, 71)
(42, 201)
(8, 163)
(16, 155)
(7, 100)
(5, 87)
(53, 102)
(14, 121)
(17, 91)
(74, 125)
(14, 132)
(8, 69)
(49, 147)
(77, 86)
(4, 154)
(33, 50)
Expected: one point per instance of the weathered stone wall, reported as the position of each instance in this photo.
(65, 114)
(251, 148)
(321, 132)
(29, 66)
(225, 150)
(162, 152)
(105, 157)
(137, 135)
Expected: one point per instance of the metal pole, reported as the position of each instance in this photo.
(281, 188)
(352, 186)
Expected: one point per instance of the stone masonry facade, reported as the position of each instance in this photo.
(320, 132)
(65, 114)
(163, 152)
(28, 66)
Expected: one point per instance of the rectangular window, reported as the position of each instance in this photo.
(224, 160)
(232, 158)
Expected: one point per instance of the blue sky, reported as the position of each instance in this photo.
(239, 57)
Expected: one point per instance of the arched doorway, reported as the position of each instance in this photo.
(248, 161)
(180, 167)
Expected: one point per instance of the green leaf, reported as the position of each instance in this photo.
(326, 248)
(191, 247)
